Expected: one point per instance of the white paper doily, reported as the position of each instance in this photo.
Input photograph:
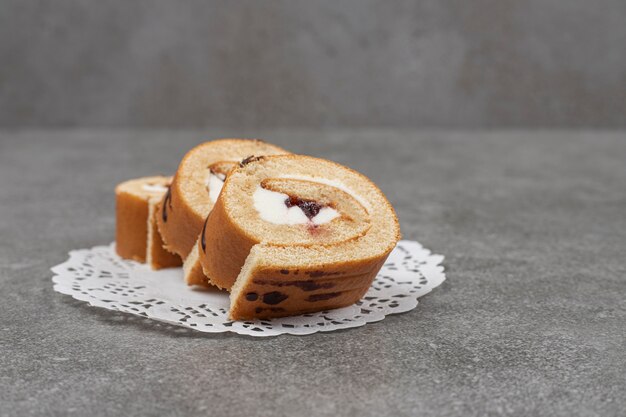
(101, 278)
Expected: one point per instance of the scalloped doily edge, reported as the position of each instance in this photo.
(436, 277)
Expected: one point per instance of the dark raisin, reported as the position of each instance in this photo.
(167, 201)
(310, 208)
(322, 297)
(274, 297)
(249, 159)
(203, 237)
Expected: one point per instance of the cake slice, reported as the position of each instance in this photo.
(136, 232)
(294, 234)
(194, 190)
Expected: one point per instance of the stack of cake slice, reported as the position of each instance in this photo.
(284, 234)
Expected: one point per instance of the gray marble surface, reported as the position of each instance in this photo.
(531, 321)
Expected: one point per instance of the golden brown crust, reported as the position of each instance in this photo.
(192, 269)
(131, 227)
(177, 223)
(227, 250)
(137, 237)
(185, 207)
(270, 293)
(157, 256)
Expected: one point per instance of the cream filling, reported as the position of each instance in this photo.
(333, 183)
(215, 182)
(272, 208)
(154, 188)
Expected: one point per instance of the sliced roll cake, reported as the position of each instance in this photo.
(194, 190)
(295, 234)
(136, 233)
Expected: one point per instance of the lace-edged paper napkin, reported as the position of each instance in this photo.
(101, 278)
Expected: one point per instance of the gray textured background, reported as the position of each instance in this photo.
(302, 63)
